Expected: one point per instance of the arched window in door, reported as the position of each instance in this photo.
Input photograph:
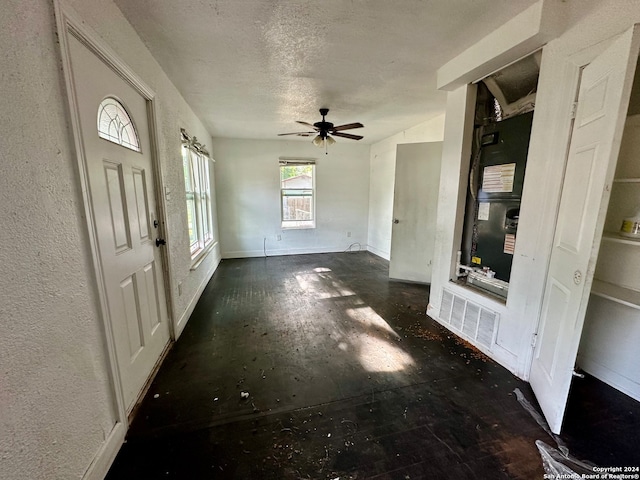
(115, 124)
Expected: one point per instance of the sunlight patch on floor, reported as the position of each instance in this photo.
(371, 340)
(322, 285)
(376, 345)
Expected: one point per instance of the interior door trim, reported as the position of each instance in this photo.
(69, 23)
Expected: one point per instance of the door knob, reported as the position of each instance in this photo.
(577, 277)
(396, 221)
(160, 241)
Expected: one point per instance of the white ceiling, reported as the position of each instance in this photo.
(250, 68)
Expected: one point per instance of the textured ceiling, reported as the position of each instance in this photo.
(250, 68)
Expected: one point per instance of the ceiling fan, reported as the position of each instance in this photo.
(325, 131)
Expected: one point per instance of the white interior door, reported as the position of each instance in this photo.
(122, 195)
(602, 105)
(415, 202)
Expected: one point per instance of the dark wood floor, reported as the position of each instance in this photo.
(346, 377)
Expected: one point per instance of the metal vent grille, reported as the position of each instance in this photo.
(470, 327)
(445, 306)
(475, 322)
(457, 314)
(486, 328)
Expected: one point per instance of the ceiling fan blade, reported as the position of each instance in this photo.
(347, 135)
(300, 134)
(347, 126)
(306, 124)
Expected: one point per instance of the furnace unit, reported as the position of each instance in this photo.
(498, 191)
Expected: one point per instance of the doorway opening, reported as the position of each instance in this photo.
(502, 127)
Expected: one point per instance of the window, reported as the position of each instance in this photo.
(297, 193)
(195, 163)
(115, 125)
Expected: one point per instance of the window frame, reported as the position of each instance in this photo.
(298, 224)
(124, 125)
(197, 182)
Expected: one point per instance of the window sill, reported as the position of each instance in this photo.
(201, 255)
(297, 227)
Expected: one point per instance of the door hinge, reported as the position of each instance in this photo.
(534, 339)
(574, 109)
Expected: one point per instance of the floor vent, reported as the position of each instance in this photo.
(474, 321)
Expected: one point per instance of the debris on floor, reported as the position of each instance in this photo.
(561, 465)
(556, 461)
(327, 413)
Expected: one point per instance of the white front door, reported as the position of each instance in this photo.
(415, 202)
(122, 197)
(602, 105)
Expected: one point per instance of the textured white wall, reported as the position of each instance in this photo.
(382, 177)
(248, 189)
(56, 407)
(173, 113)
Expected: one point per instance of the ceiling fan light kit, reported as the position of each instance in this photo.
(325, 131)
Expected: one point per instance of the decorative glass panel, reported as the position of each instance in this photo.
(115, 125)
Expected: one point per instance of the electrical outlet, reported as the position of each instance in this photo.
(348, 234)
(279, 237)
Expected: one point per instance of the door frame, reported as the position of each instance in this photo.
(69, 23)
(574, 65)
(425, 164)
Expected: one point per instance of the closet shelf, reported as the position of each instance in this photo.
(616, 293)
(617, 238)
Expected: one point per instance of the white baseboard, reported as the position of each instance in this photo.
(381, 253)
(611, 378)
(194, 301)
(284, 251)
(107, 454)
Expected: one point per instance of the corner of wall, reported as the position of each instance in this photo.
(456, 153)
(382, 164)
